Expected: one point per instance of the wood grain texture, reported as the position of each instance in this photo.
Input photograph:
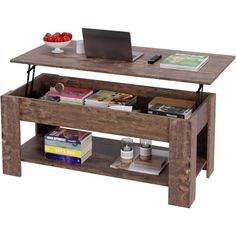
(201, 114)
(11, 135)
(105, 151)
(69, 59)
(97, 119)
(206, 138)
(39, 87)
(44, 81)
(211, 135)
(182, 162)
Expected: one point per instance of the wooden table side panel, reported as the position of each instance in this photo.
(211, 134)
(11, 135)
(95, 119)
(182, 162)
(201, 115)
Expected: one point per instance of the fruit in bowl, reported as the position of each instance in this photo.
(57, 41)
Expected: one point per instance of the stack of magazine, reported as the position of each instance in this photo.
(70, 95)
(106, 98)
(180, 61)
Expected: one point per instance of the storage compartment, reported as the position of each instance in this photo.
(141, 125)
(47, 114)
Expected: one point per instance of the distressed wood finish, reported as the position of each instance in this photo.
(96, 119)
(191, 141)
(11, 135)
(211, 135)
(105, 151)
(201, 114)
(206, 138)
(140, 68)
(182, 162)
(39, 87)
(44, 81)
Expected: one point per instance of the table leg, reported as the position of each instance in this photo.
(182, 162)
(11, 147)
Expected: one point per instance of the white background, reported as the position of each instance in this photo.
(52, 201)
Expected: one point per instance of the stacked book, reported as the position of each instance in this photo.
(70, 146)
(188, 62)
(70, 95)
(172, 107)
(106, 98)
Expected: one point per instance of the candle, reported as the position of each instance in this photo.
(126, 151)
(145, 143)
(127, 148)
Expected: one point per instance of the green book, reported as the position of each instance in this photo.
(71, 102)
(187, 62)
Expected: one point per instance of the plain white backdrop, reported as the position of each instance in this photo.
(53, 201)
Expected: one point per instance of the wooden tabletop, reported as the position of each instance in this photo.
(42, 56)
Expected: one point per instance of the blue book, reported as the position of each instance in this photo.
(66, 159)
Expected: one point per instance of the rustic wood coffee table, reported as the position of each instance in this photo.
(191, 141)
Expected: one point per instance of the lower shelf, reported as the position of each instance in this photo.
(105, 151)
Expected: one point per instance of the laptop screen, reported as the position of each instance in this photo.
(107, 44)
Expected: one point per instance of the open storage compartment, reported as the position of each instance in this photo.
(191, 141)
(48, 114)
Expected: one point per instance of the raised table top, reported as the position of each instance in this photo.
(42, 56)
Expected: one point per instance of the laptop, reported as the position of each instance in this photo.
(109, 44)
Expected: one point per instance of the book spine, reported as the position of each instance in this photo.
(62, 151)
(62, 144)
(70, 102)
(166, 114)
(63, 158)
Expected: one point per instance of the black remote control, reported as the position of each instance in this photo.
(155, 58)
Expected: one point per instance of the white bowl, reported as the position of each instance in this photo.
(57, 46)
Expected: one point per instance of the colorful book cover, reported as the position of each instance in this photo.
(168, 110)
(63, 158)
(71, 92)
(107, 98)
(68, 135)
(62, 151)
(68, 159)
(122, 99)
(184, 61)
(74, 146)
(102, 96)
